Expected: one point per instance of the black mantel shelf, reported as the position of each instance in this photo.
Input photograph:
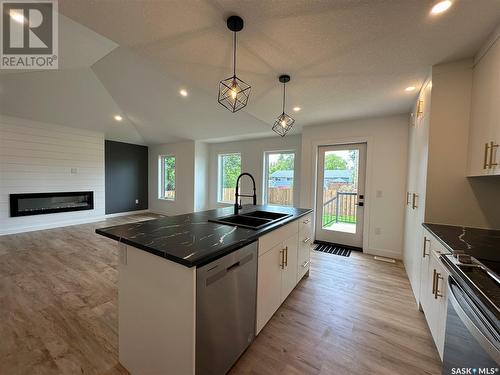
(190, 239)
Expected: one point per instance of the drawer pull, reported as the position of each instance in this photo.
(306, 264)
(307, 221)
(306, 240)
(486, 149)
(493, 148)
(425, 248)
(436, 291)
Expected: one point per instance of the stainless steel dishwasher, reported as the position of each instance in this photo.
(226, 297)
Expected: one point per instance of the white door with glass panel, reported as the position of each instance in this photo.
(340, 194)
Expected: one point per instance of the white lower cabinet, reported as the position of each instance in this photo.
(284, 258)
(433, 298)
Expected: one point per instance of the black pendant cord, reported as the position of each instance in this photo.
(284, 98)
(234, 54)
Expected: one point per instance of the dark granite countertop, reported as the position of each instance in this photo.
(482, 244)
(191, 239)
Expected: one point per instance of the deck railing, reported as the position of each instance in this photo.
(341, 208)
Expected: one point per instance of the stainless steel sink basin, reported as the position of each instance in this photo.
(253, 220)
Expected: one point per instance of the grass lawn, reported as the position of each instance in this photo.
(328, 219)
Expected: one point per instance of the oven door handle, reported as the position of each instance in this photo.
(463, 313)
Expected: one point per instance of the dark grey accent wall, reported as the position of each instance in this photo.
(126, 170)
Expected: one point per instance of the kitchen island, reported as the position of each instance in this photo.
(157, 285)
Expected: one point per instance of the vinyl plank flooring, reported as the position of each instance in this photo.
(58, 293)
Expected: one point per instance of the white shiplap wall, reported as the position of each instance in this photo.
(38, 157)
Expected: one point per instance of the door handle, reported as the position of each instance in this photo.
(414, 201)
(425, 248)
(436, 291)
(486, 149)
(493, 147)
(433, 281)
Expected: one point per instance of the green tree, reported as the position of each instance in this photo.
(334, 162)
(170, 173)
(285, 162)
(231, 167)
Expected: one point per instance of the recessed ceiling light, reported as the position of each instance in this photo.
(16, 16)
(118, 117)
(410, 88)
(183, 92)
(441, 7)
(296, 109)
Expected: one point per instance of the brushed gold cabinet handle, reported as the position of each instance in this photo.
(414, 201)
(436, 291)
(493, 148)
(286, 256)
(282, 260)
(485, 163)
(307, 221)
(306, 264)
(408, 195)
(306, 240)
(425, 247)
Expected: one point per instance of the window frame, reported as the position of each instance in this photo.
(220, 175)
(265, 179)
(161, 177)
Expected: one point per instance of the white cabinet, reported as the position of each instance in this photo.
(433, 286)
(416, 188)
(484, 135)
(305, 242)
(284, 258)
(289, 266)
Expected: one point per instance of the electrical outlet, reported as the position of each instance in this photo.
(378, 231)
(137, 201)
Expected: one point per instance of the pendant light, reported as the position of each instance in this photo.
(233, 92)
(283, 122)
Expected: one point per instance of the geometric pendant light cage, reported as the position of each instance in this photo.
(234, 92)
(284, 122)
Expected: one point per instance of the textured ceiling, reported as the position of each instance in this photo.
(347, 58)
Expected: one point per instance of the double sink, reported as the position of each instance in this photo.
(252, 220)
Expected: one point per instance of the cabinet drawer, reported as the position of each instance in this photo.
(268, 241)
(306, 223)
(303, 259)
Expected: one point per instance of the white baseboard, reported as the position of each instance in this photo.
(127, 213)
(384, 253)
(67, 223)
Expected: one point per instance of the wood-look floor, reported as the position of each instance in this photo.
(58, 313)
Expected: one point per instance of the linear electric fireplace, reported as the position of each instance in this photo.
(47, 203)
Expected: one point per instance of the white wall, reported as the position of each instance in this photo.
(387, 139)
(252, 161)
(184, 153)
(201, 165)
(38, 157)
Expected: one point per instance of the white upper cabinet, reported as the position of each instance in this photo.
(484, 137)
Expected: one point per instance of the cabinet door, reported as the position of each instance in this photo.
(485, 114)
(304, 255)
(437, 320)
(289, 272)
(426, 280)
(268, 285)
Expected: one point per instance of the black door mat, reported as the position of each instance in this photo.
(333, 249)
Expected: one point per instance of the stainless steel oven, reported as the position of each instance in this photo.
(472, 341)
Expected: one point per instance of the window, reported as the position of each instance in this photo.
(279, 178)
(167, 177)
(229, 170)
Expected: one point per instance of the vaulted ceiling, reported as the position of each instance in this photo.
(347, 59)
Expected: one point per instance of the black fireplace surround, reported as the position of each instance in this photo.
(47, 203)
